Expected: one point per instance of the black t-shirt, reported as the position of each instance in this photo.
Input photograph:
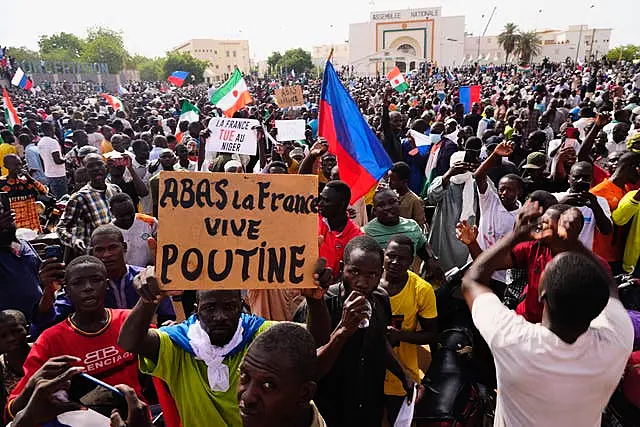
(352, 392)
(130, 189)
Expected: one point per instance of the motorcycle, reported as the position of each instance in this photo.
(460, 383)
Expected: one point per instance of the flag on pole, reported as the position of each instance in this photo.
(293, 73)
(397, 80)
(10, 113)
(232, 95)
(178, 77)
(115, 103)
(361, 158)
(524, 68)
(20, 79)
(468, 95)
(189, 113)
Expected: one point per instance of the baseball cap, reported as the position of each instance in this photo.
(536, 160)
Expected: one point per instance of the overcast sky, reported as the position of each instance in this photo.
(152, 27)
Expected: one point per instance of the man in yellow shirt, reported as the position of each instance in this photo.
(6, 138)
(413, 303)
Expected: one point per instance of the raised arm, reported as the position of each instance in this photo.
(135, 335)
(584, 153)
(318, 149)
(476, 281)
(503, 149)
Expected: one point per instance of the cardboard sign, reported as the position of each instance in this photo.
(236, 231)
(290, 130)
(438, 86)
(232, 136)
(289, 96)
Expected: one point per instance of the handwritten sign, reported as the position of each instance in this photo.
(290, 130)
(237, 231)
(289, 96)
(232, 136)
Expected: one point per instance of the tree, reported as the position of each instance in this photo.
(22, 54)
(183, 61)
(293, 59)
(508, 39)
(528, 46)
(274, 59)
(625, 53)
(61, 47)
(105, 45)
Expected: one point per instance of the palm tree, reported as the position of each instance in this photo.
(528, 46)
(508, 39)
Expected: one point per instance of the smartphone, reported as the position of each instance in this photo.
(396, 320)
(4, 201)
(97, 395)
(53, 251)
(572, 133)
(471, 156)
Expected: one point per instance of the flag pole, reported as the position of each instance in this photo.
(330, 55)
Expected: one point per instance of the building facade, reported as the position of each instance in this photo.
(407, 38)
(577, 42)
(340, 58)
(223, 56)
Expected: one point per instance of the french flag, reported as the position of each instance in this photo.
(20, 79)
(468, 95)
(178, 77)
(361, 158)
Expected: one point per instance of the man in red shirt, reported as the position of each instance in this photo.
(560, 225)
(90, 334)
(335, 228)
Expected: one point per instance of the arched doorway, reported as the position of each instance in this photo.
(407, 48)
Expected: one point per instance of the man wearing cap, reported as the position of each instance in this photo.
(535, 178)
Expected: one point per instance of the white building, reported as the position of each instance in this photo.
(406, 38)
(577, 42)
(223, 56)
(340, 58)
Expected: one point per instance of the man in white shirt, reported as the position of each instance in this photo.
(560, 372)
(53, 161)
(140, 164)
(595, 209)
(498, 209)
(136, 230)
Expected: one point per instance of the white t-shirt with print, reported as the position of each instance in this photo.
(589, 227)
(544, 381)
(495, 223)
(47, 146)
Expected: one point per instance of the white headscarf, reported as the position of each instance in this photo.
(217, 372)
(468, 192)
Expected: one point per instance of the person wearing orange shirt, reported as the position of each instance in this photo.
(610, 247)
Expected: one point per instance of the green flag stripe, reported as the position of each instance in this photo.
(226, 87)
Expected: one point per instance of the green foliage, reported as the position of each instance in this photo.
(528, 46)
(508, 39)
(183, 61)
(293, 59)
(22, 54)
(625, 53)
(273, 59)
(105, 45)
(61, 47)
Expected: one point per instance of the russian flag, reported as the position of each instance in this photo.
(361, 158)
(178, 77)
(20, 79)
(468, 95)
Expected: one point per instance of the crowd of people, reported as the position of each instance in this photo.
(537, 184)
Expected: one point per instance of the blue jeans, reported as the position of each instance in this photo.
(58, 186)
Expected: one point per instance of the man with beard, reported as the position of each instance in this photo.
(87, 209)
(199, 358)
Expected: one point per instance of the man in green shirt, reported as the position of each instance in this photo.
(198, 359)
(388, 222)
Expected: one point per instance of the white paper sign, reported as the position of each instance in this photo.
(290, 130)
(232, 136)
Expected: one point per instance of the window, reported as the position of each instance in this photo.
(217, 66)
(229, 67)
(234, 53)
(227, 54)
(215, 52)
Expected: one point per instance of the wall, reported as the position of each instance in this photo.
(220, 54)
